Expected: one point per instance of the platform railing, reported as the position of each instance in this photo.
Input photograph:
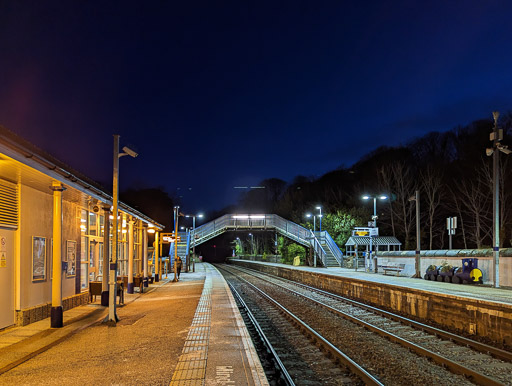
(333, 247)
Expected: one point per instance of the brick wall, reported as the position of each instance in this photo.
(43, 311)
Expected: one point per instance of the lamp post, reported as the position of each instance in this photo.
(252, 243)
(374, 223)
(176, 218)
(200, 215)
(308, 215)
(320, 216)
(238, 246)
(417, 262)
(112, 316)
(496, 136)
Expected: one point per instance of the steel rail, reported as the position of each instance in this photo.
(279, 364)
(333, 350)
(454, 367)
(481, 347)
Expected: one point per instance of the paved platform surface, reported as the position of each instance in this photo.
(483, 292)
(184, 333)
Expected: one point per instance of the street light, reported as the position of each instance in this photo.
(381, 197)
(238, 246)
(112, 316)
(496, 136)
(177, 215)
(374, 223)
(308, 215)
(252, 243)
(200, 215)
(417, 262)
(320, 216)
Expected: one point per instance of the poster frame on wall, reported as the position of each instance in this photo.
(71, 258)
(38, 258)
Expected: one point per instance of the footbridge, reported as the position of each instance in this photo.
(323, 246)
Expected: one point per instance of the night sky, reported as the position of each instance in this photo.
(217, 94)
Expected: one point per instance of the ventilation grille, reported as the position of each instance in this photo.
(8, 205)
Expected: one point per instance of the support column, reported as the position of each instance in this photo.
(157, 256)
(140, 260)
(145, 253)
(130, 256)
(56, 311)
(106, 256)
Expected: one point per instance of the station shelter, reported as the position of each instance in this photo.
(31, 184)
(365, 239)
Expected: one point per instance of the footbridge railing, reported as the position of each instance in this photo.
(289, 229)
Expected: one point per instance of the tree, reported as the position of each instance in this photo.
(432, 185)
(477, 202)
(340, 224)
(398, 179)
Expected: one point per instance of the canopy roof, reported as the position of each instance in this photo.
(377, 240)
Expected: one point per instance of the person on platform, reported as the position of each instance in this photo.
(178, 266)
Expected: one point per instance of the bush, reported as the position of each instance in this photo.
(296, 250)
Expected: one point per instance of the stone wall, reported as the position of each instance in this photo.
(43, 311)
(471, 316)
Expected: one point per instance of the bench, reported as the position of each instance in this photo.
(95, 289)
(393, 267)
(137, 282)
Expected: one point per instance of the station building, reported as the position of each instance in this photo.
(31, 182)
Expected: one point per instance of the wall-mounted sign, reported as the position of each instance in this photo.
(3, 253)
(168, 238)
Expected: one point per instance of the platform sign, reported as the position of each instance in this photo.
(360, 231)
(168, 238)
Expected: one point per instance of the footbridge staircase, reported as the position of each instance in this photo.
(324, 248)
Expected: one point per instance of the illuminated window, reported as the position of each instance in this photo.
(83, 221)
(93, 224)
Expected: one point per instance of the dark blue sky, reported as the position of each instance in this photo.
(216, 94)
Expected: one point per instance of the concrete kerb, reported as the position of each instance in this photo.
(17, 353)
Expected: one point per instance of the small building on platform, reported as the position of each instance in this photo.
(364, 239)
(356, 245)
(37, 193)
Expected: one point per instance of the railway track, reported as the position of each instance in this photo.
(383, 342)
(306, 357)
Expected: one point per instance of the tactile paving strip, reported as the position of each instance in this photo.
(191, 367)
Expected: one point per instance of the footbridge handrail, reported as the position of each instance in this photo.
(285, 227)
(333, 247)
